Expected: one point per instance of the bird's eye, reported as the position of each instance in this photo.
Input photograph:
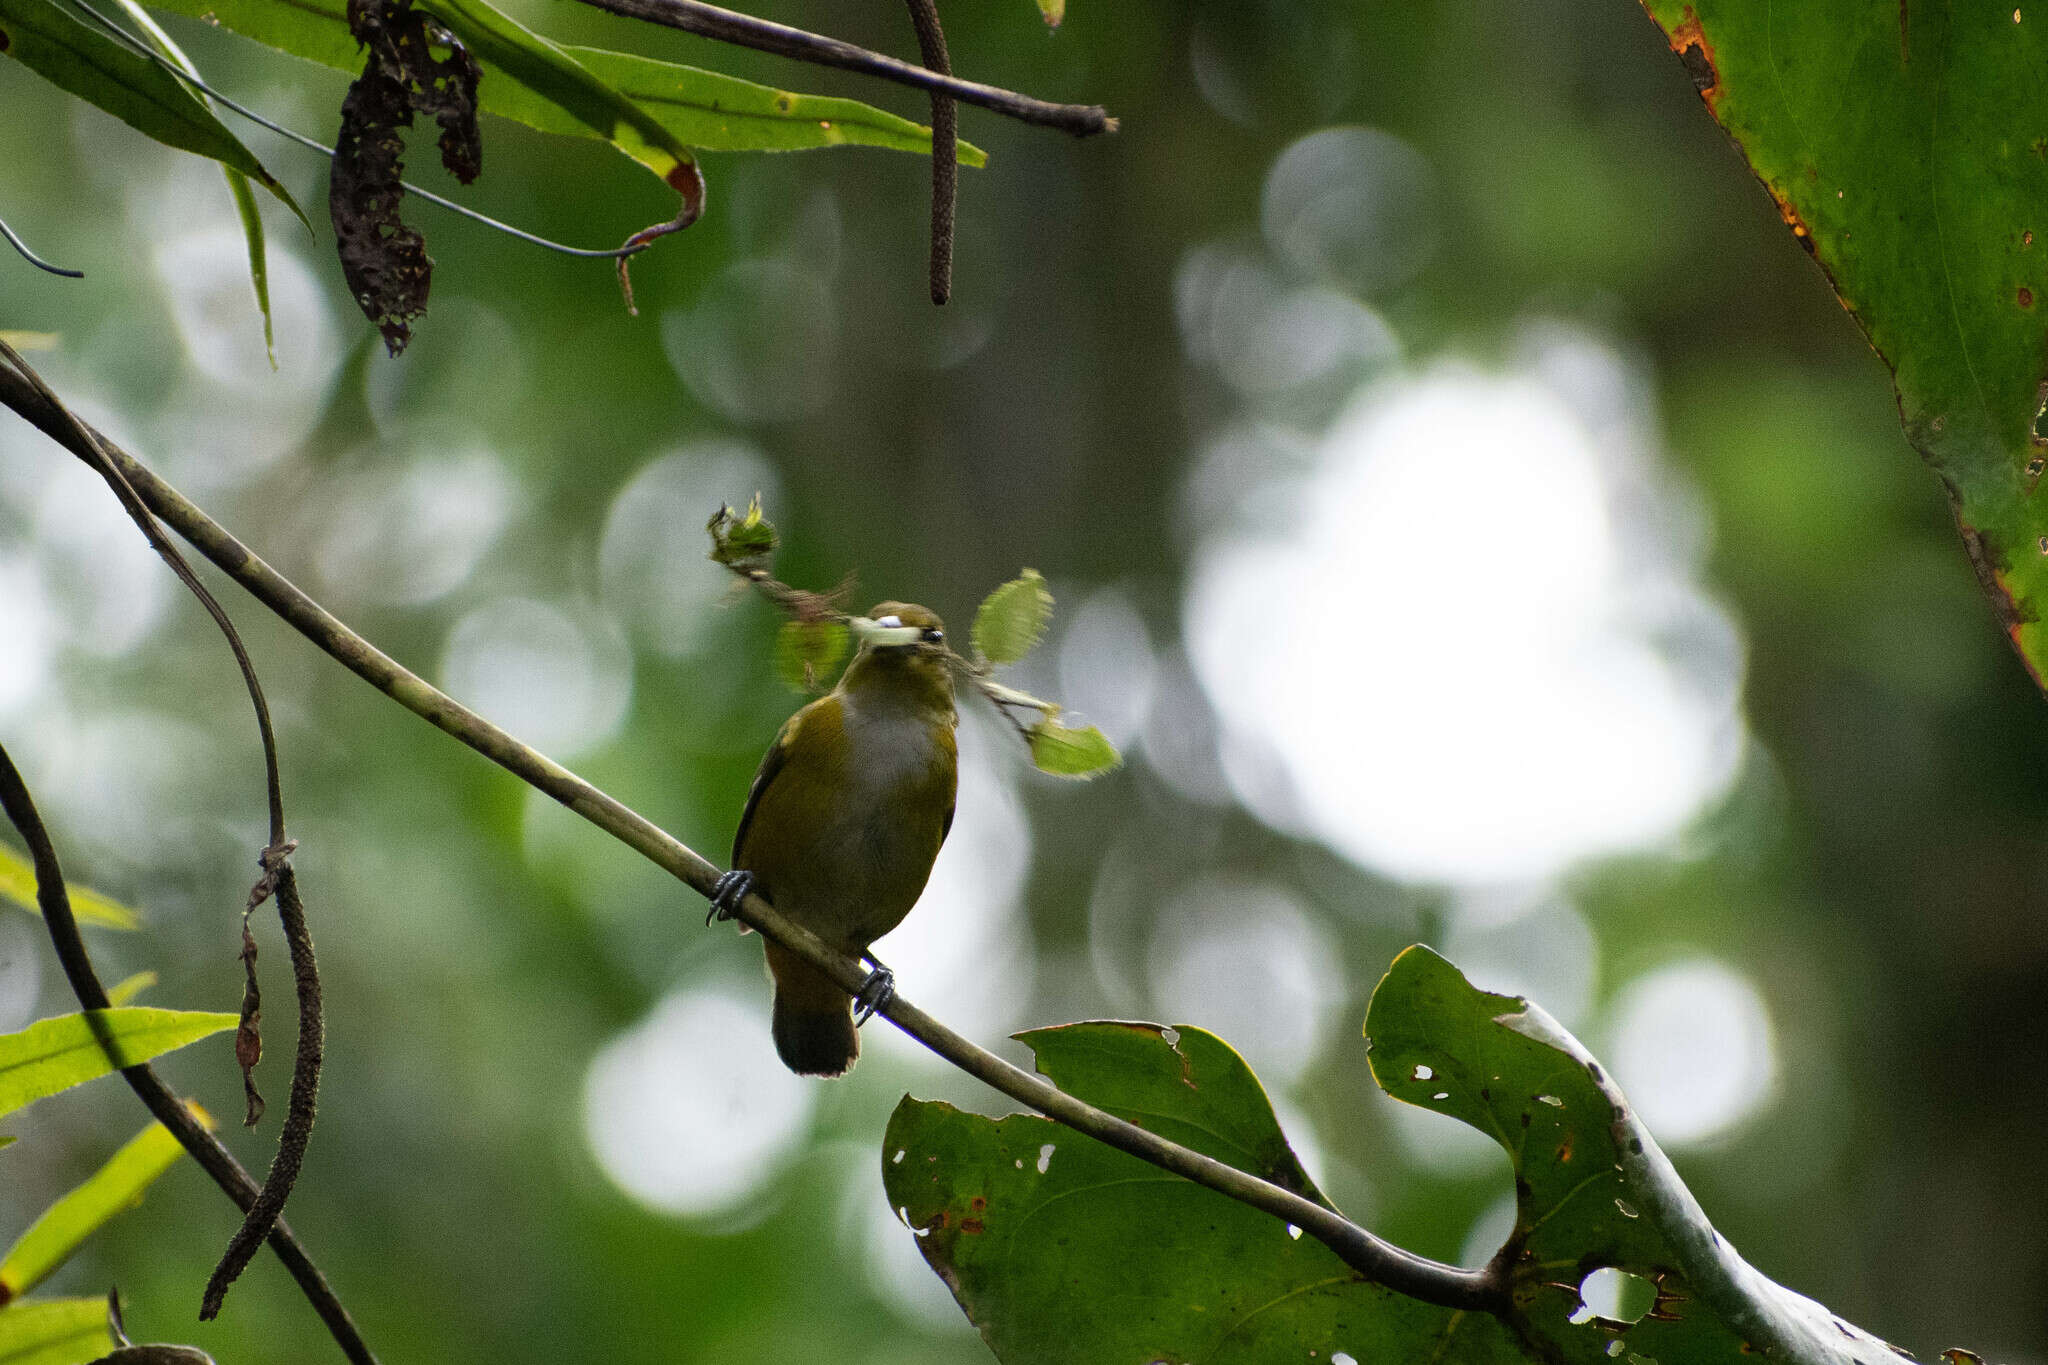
(934, 636)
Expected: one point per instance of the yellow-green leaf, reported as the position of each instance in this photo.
(113, 1189)
(79, 58)
(1054, 11)
(127, 988)
(807, 653)
(18, 887)
(1012, 619)
(54, 1332)
(70, 1049)
(1064, 752)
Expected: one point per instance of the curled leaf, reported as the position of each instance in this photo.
(1012, 620)
(1065, 752)
(742, 541)
(411, 66)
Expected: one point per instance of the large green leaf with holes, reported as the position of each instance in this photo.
(1064, 1251)
(1067, 1252)
(1906, 147)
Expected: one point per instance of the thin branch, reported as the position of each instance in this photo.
(33, 259)
(633, 247)
(1378, 1261)
(277, 873)
(206, 1149)
(931, 43)
(765, 35)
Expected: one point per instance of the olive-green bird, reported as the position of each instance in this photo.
(843, 824)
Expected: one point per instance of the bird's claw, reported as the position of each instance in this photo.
(727, 893)
(875, 992)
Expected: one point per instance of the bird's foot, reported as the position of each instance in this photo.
(875, 992)
(727, 893)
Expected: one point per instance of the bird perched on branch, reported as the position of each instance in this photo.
(843, 824)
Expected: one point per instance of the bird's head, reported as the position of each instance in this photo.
(902, 646)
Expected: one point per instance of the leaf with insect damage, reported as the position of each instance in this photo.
(1906, 149)
(1064, 1251)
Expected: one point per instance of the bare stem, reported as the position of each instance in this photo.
(1378, 1261)
(744, 30)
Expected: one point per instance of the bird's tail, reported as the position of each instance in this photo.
(814, 1032)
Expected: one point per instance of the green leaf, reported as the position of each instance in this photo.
(64, 1226)
(808, 652)
(85, 61)
(1907, 149)
(546, 70)
(1012, 620)
(54, 1332)
(238, 184)
(701, 109)
(1055, 12)
(1064, 752)
(1062, 1250)
(18, 887)
(128, 987)
(70, 1049)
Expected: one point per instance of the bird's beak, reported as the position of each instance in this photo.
(875, 636)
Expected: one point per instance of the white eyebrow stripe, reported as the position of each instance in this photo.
(889, 622)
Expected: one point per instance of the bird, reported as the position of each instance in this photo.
(843, 823)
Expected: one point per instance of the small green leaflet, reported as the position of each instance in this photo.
(1064, 752)
(742, 541)
(70, 1049)
(64, 1226)
(1012, 620)
(18, 887)
(1055, 11)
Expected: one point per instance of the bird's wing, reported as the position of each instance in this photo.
(771, 764)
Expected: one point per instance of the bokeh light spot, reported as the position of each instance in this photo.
(690, 1110)
(1691, 1044)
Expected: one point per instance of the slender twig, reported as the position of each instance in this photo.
(91, 450)
(1376, 1260)
(631, 248)
(765, 35)
(215, 1159)
(33, 259)
(931, 42)
(277, 872)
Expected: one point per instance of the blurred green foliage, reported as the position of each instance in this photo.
(1876, 869)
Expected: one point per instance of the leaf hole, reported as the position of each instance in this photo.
(897, 1160)
(1441, 1095)
(1615, 1347)
(1553, 1101)
(1615, 1295)
(1628, 1210)
(1423, 1073)
(1045, 1157)
(1294, 1232)
(1343, 1358)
